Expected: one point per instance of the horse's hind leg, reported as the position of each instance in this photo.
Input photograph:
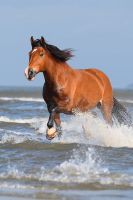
(106, 108)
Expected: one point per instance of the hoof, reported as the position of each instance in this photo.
(51, 133)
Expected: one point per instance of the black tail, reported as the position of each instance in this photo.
(120, 113)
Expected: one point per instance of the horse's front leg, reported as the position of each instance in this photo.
(54, 117)
(58, 123)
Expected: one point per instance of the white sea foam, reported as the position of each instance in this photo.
(15, 186)
(83, 128)
(88, 129)
(17, 120)
(99, 133)
(73, 170)
(21, 99)
(84, 166)
(31, 99)
(14, 138)
(126, 100)
(9, 136)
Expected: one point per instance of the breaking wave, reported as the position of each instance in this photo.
(88, 129)
(21, 99)
(84, 167)
(83, 128)
(32, 99)
(14, 137)
(17, 120)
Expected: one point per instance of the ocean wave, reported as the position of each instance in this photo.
(18, 186)
(16, 137)
(130, 101)
(87, 129)
(21, 99)
(73, 170)
(83, 128)
(84, 167)
(99, 133)
(31, 99)
(19, 121)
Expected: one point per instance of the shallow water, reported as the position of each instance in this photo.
(90, 161)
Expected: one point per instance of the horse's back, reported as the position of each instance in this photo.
(98, 84)
(102, 78)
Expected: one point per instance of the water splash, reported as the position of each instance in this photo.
(82, 128)
(85, 128)
(85, 166)
(99, 133)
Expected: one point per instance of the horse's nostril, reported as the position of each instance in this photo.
(31, 74)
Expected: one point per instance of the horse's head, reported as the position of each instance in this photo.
(36, 58)
(42, 55)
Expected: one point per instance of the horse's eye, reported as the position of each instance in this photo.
(41, 54)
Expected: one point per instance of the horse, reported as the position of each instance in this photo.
(67, 89)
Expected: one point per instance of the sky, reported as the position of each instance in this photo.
(99, 31)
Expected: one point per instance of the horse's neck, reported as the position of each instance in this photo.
(56, 70)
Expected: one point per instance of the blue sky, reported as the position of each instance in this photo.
(100, 32)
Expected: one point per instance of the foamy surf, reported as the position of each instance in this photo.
(78, 164)
(83, 128)
(77, 169)
(91, 130)
(20, 120)
(21, 99)
(99, 133)
(85, 166)
(30, 99)
(15, 137)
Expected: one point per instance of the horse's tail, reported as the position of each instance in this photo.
(120, 113)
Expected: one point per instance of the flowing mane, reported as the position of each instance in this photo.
(59, 55)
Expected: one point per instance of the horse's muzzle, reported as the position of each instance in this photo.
(31, 74)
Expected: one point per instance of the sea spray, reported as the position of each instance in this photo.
(83, 128)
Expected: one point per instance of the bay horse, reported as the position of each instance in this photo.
(67, 89)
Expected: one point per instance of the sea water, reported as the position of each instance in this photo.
(91, 160)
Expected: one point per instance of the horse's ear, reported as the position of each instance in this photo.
(42, 40)
(31, 40)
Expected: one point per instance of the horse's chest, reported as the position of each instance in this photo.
(61, 93)
(59, 89)
(57, 94)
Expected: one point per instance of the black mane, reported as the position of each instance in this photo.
(59, 55)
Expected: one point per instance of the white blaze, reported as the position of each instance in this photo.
(26, 72)
(27, 68)
(34, 50)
